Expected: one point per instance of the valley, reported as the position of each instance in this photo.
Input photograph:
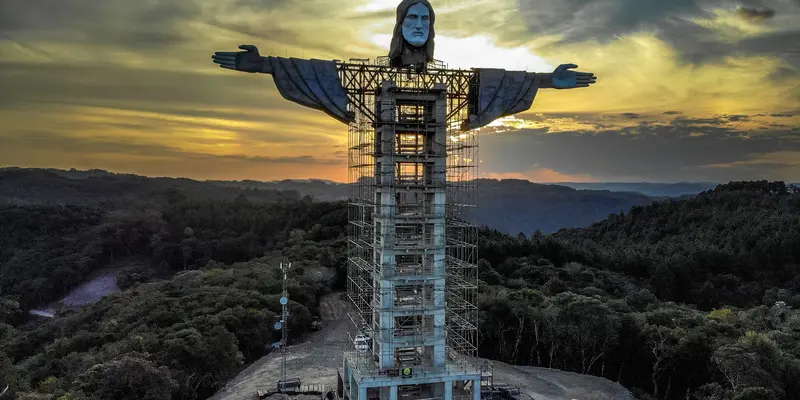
(662, 299)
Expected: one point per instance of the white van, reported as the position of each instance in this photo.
(362, 343)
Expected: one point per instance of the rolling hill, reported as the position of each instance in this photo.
(510, 205)
(646, 188)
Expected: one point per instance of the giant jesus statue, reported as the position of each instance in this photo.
(412, 255)
(317, 84)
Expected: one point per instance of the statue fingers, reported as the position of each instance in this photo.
(225, 55)
(231, 56)
(249, 47)
(226, 64)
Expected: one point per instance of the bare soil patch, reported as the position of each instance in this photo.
(316, 360)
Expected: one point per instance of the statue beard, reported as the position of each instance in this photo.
(414, 55)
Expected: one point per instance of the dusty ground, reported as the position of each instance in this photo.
(315, 362)
(551, 384)
(98, 285)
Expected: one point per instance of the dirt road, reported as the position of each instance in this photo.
(316, 361)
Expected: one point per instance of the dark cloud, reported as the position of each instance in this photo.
(780, 44)
(785, 115)
(602, 20)
(685, 121)
(133, 24)
(652, 152)
(137, 24)
(714, 120)
(630, 115)
(698, 44)
(674, 21)
(755, 14)
(671, 112)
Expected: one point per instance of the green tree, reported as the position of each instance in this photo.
(127, 378)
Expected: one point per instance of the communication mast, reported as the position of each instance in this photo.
(285, 314)
(285, 385)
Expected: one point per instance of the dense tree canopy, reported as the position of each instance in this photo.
(692, 299)
(682, 298)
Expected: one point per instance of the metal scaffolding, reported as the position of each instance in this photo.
(412, 256)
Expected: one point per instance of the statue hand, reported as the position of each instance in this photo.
(248, 60)
(563, 78)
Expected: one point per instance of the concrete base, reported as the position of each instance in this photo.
(445, 385)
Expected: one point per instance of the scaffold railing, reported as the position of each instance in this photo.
(412, 175)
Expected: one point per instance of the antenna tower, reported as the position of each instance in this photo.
(284, 315)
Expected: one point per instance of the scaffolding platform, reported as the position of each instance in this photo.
(412, 257)
(293, 388)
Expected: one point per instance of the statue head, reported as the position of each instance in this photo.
(413, 30)
(416, 25)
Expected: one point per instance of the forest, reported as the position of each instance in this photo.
(508, 205)
(681, 299)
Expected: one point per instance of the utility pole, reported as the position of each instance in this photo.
(284, 314)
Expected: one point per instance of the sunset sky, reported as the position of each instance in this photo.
(688, 90)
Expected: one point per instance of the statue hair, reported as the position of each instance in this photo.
(398, 41)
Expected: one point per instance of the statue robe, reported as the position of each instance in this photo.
(311, 83)
(500, 93)
(316, 84)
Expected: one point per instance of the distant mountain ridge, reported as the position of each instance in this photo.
(32, 186)
(322, 190)
(510, 205)
(646, 188)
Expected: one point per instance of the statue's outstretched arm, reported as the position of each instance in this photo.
(499, 93)
(311, 83)
(266, 65)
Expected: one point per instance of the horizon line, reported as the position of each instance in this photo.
(9, 167)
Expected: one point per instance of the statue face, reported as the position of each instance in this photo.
(417, 24)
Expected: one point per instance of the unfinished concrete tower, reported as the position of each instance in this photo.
(412, 273)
